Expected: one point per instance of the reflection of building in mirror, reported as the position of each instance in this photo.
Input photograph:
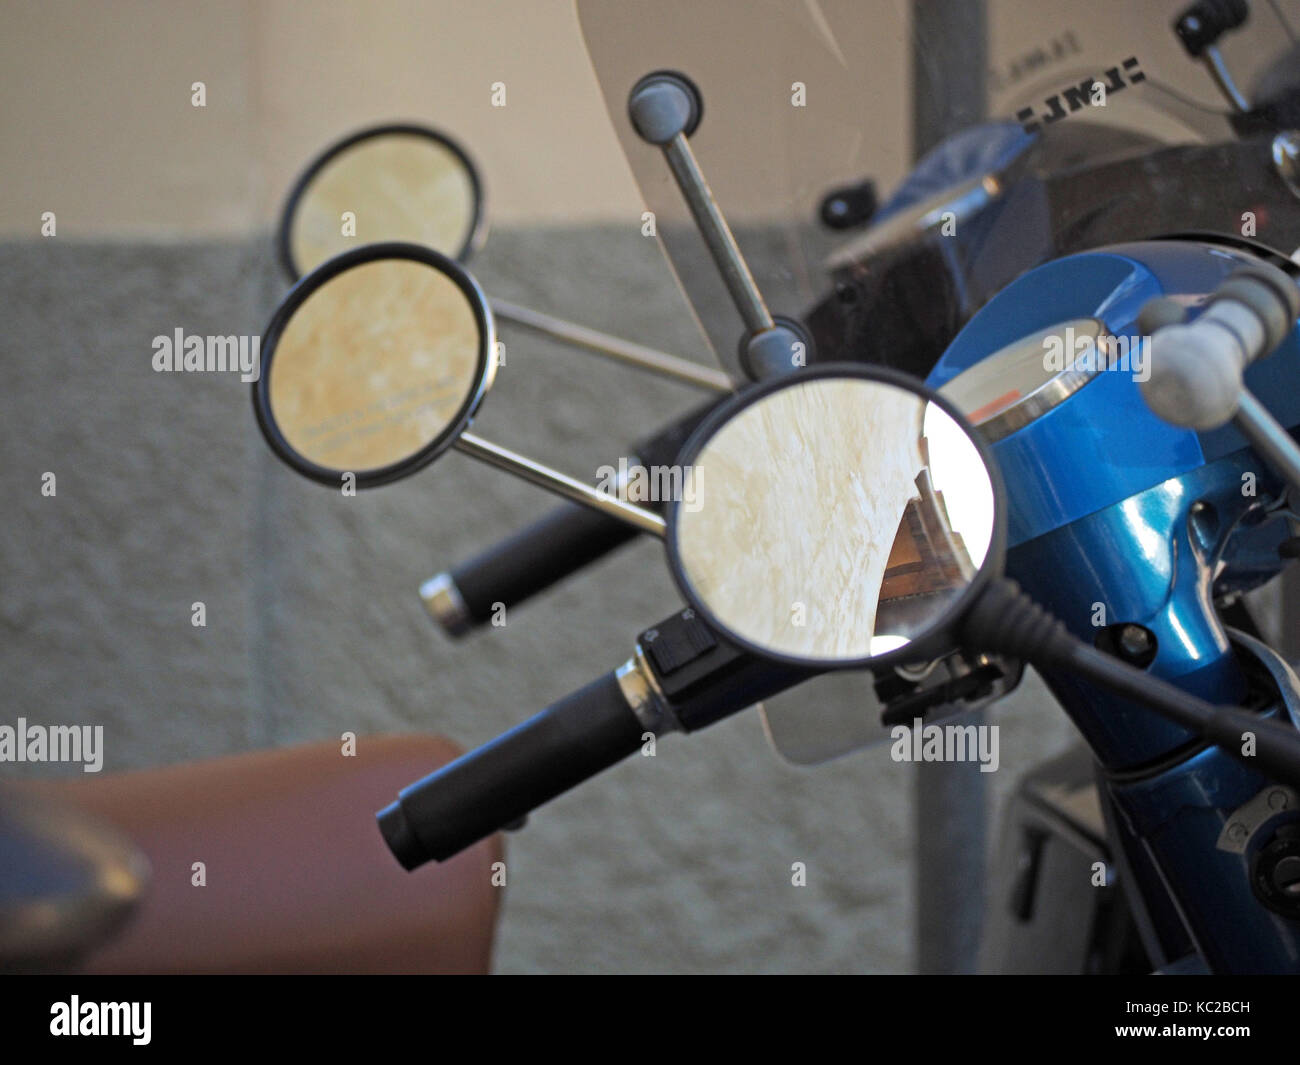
(943, 536)
(928, 566)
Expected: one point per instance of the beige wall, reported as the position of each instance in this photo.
(98, 125)
(96, 122)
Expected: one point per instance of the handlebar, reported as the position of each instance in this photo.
(1196, 373)
(1196, 369)
(497, 784)
(518, 567)
(682, 677)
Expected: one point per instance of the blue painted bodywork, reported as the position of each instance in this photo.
(1116, 516)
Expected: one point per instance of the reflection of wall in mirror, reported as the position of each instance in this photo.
(961, 479)
(804, 494)
(374, 365)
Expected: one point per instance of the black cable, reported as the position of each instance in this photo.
(1006, 620)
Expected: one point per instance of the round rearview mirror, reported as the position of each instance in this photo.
(389, 183)
(838, 517)
(374, 364)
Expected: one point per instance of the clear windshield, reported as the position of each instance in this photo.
(1040, 129)
(804, 96)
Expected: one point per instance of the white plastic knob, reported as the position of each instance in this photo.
(1195, 376)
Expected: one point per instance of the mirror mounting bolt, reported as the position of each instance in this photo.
(784, 348)
(663, 105)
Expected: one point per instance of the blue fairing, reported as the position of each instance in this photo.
(1116, 517)
(1084, 456)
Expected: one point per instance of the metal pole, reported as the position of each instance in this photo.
(718, 236)
(949, 58)
(1270, 439)
(624, 351)
(560, 483)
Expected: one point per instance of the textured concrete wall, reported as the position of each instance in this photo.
(167, 496)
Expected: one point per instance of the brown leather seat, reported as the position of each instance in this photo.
(298, 878)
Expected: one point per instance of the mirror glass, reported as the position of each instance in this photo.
(399, 183)
(833, 518)
(376, 361)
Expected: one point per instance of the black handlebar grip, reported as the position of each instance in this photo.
(502, 781)
(564, 541)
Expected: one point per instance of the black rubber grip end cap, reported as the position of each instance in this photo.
(397, 833)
